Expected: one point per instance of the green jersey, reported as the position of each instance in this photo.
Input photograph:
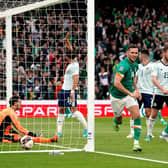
(128, 70)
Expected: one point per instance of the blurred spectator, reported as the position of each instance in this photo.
(38, 49)
(116, 28)
(103, 82)
(37, 90)
(39, 53)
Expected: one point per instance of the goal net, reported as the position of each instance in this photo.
(33, 64)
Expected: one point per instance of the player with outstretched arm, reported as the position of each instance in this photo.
(67, 97)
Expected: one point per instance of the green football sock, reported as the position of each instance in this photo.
(166, 129)
(116, 121)
(137, 129)
(159, 114)
(68, 112)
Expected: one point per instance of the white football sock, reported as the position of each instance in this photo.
(136, 142)
(81, 118)
(60, 122)
(132, 126)
(150, 126)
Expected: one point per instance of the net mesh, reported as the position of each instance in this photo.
(9, 4)
(38, 54)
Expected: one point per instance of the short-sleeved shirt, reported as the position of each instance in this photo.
(128, 70)
(71, 70)
(144, 74)
(160, 70)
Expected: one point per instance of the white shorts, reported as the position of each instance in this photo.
(118, 104)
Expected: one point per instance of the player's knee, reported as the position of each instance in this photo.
(136, 116)
(147, 112)
(61, 110)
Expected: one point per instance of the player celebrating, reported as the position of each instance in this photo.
(8, 118)
(160, 80)
(123, 94)
(68, 94)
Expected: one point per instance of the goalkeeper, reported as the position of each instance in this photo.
(8, 118)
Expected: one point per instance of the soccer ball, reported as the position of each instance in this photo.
(26, 142)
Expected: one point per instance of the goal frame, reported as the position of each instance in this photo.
(90, 146)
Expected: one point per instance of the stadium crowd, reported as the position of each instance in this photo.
(116, 28)
(39, 53)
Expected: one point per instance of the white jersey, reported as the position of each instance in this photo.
(71, 70)
(144, 74)
(160, 70)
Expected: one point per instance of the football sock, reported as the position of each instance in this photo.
(60, 122)
(159, 114)
(81, 118)
(132, 126)
(142, 112)
(68, 112)
(116, 121)
(150, 126)
(166, 129)
(137, 129)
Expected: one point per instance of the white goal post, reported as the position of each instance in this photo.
(7, 14)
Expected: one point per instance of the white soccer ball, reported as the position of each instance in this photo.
(26, 142)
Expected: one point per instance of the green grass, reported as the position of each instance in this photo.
(107, 140)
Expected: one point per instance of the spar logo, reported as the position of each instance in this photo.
(47, 110)
(38, 111)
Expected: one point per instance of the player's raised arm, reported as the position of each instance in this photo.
(67, 42)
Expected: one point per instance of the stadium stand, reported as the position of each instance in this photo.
(116, 27)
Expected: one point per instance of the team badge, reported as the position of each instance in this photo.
(154, 104)
(121, 68)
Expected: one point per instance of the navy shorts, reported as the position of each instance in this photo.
(64, 99)
(158, 101)
(146, 100)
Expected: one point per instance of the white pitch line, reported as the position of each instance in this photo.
(61, 147)
(132, 157)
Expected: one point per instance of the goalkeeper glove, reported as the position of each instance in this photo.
(33, 134)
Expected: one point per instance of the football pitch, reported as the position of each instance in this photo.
(112, 150)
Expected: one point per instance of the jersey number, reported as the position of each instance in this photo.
(165, 74)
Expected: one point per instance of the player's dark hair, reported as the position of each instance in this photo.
(145, 52)
(13, 99)
(132, 46)
(157, 55)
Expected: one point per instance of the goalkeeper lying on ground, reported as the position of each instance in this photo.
(8, 118)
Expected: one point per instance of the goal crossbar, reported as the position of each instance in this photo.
(29, 7)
